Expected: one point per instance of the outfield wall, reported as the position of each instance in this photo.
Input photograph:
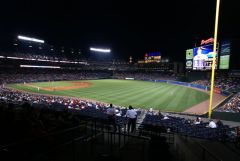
(229, 116)
(216, 90)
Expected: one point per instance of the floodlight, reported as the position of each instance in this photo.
(100, 50)
(30, 39)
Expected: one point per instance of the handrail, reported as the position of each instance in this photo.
(61, 132)
(129, 135)
(40, 137)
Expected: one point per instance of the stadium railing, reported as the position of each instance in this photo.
(90, 139)
(43, 146)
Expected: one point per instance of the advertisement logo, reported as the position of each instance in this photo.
(189, 64)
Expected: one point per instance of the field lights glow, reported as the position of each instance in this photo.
(30, 39)
(38, 66)
(17, 58)
(101, 50)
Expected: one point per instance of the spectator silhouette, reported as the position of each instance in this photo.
(219, 123)
(112, 117)
(132, 117)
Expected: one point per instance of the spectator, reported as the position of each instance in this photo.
(212, 124)
(165, 117)
(219, 123)
(197, 121)
(159, 113)
(150, 111)
(132, 117)
(233, 105)
(112, 116)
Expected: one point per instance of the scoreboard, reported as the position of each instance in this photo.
(225, 55)
(152, 57)
(200, 58)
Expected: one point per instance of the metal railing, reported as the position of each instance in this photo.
(73, 143)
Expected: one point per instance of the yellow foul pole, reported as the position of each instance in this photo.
(214, 59)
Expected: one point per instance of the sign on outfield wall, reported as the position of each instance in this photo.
(217, 90)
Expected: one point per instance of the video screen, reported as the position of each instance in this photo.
(202, 57)
(152, 57)
(225, 55)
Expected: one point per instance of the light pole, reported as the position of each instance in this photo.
(214, 58)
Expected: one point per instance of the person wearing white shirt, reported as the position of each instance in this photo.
(165, 117)
(197, 121)
(132, 117)
(111, 112)
(212, 124)
(199, 59)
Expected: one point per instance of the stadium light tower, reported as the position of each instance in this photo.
(20, 37)
(100, 50)
(214, 58)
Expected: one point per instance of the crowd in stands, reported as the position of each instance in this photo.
(146, 75)
(224, 83)
(31, 115)
(23, 121)
(214, 129)
(48, 75)
(232, 105)
(18, 97)
(201, 82)
(229, 84)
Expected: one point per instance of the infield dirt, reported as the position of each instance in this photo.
(74, 85)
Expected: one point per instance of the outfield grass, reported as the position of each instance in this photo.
(141, 94)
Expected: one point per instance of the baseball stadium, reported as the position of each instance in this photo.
(92, 96)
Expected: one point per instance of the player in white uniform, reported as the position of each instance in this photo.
(199, 59)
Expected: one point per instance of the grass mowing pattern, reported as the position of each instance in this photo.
(141, 94)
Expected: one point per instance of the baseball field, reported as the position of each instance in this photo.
(140, 94)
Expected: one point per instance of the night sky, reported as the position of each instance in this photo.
(128, 28)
